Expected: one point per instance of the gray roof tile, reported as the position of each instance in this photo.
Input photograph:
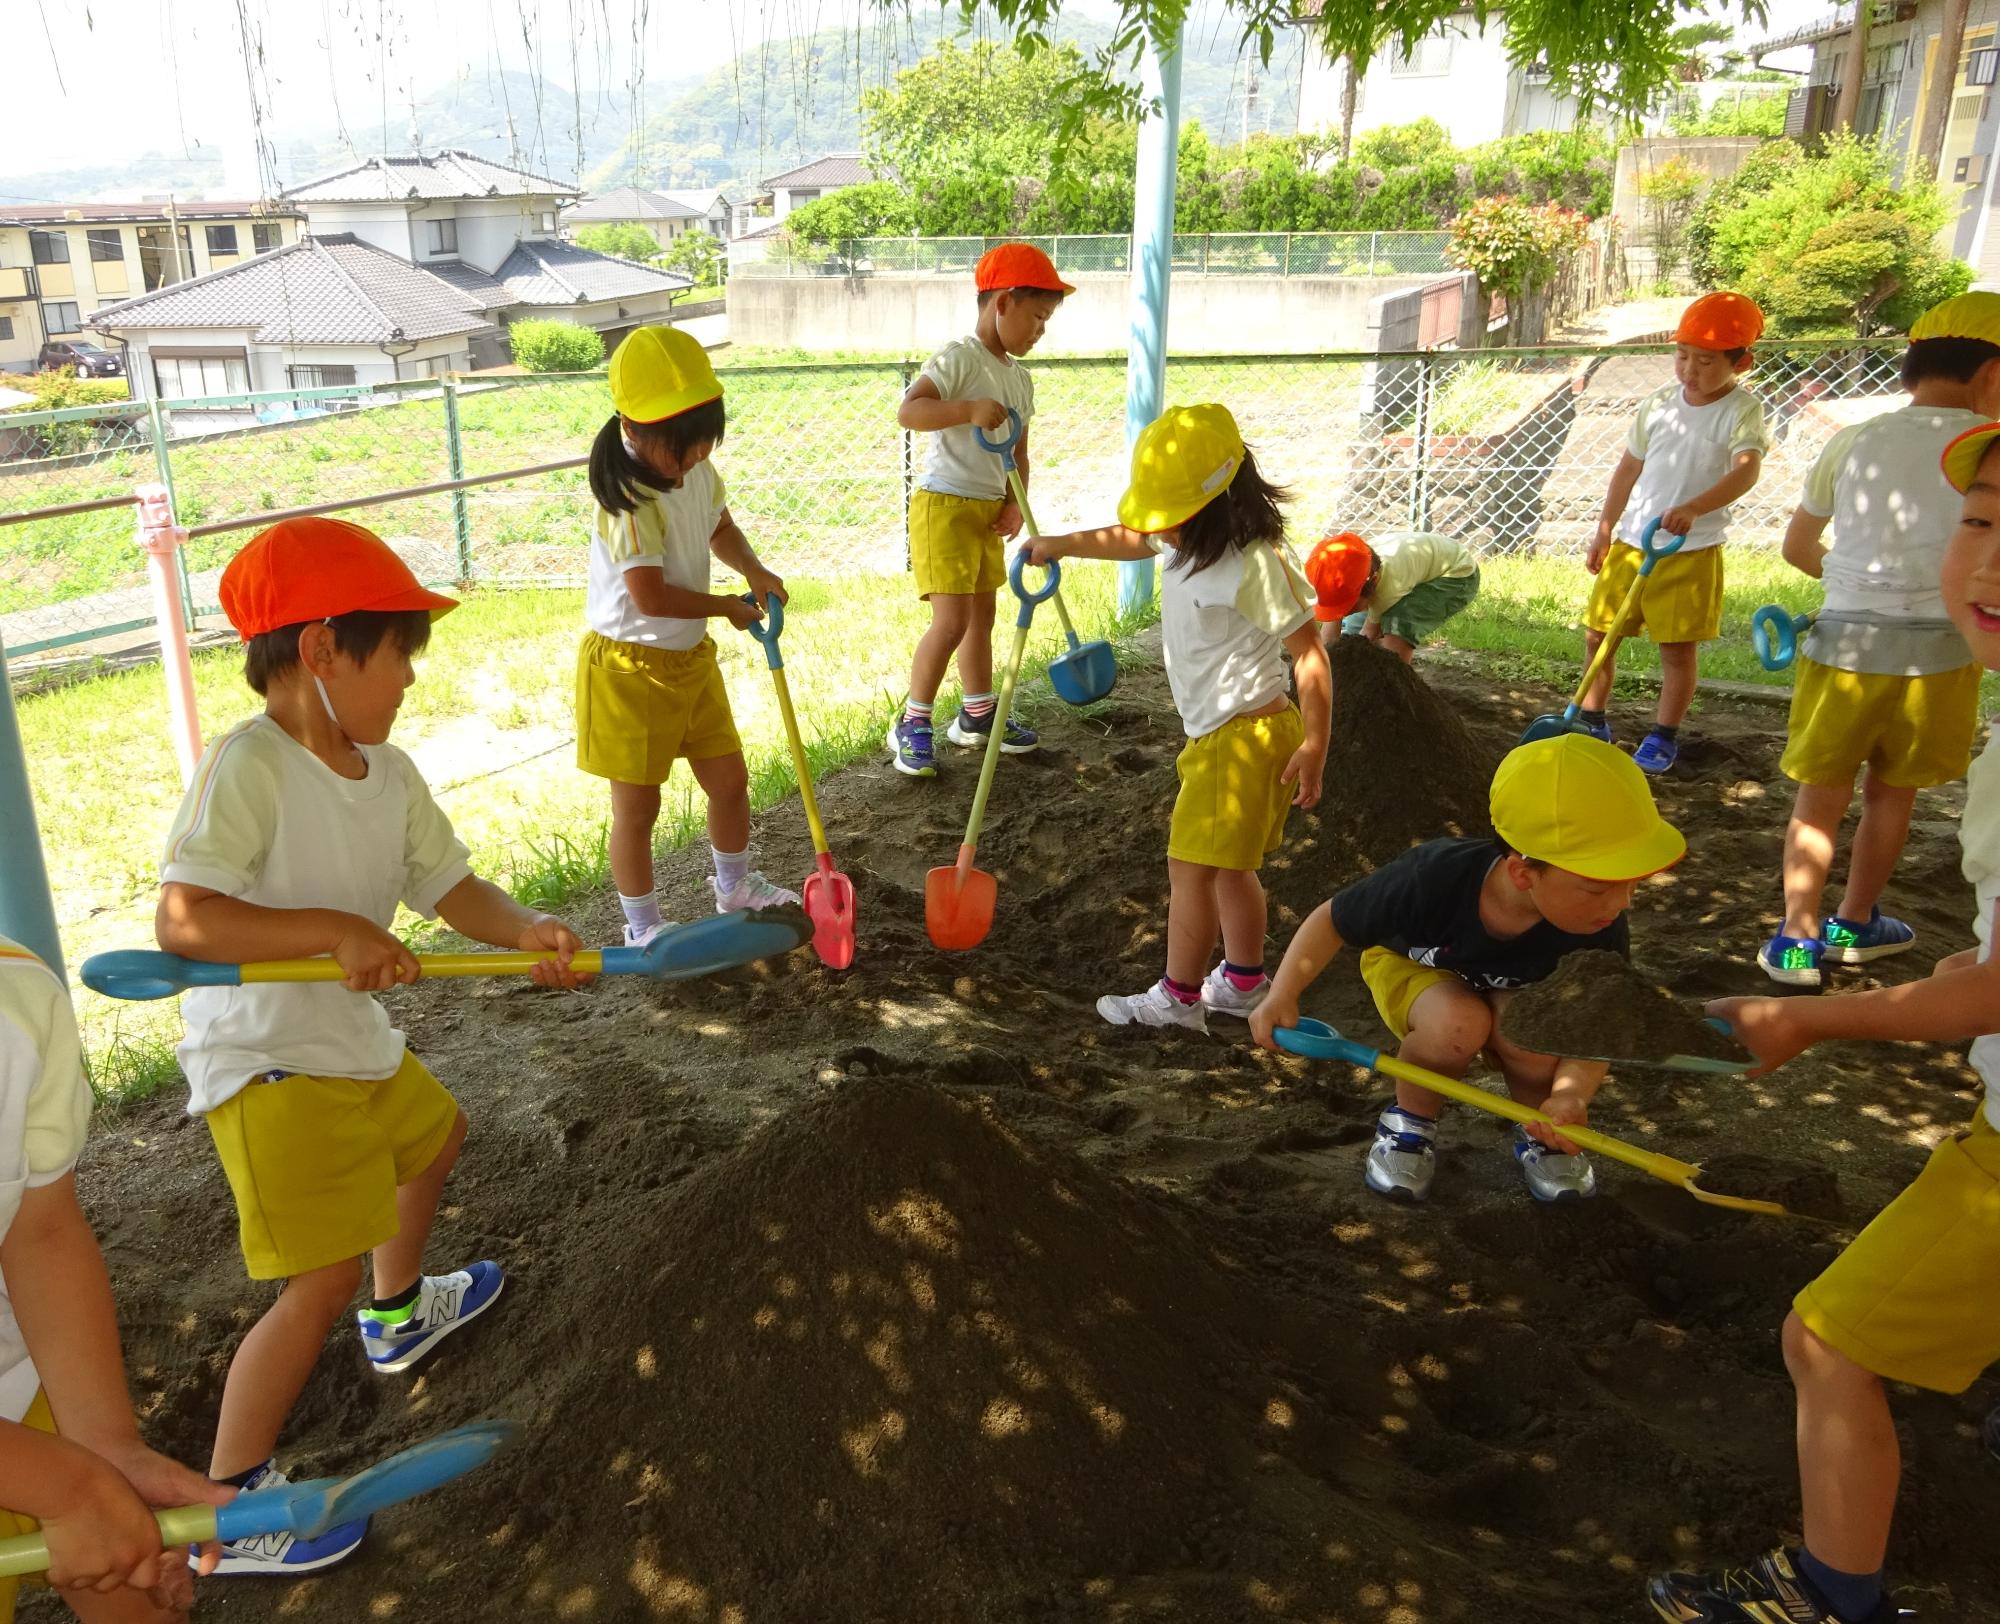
(541, 271)
(629, 203)
(411, 177)
(835, 169)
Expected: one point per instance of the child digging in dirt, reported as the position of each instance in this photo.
(1450, 929)
(961, 511)
(648, 689)
(1883, 680)
(71, 1463)
(303, 829)
(1396, 591)
(1916, 1297)
(1696, 446)
(1232, 603)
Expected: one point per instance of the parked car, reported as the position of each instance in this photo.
(89, 360)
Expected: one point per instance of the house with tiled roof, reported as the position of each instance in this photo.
(808, 183)
(661, 217)
(410, 267)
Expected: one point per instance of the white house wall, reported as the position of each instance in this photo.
(386, 225)
(489, 227)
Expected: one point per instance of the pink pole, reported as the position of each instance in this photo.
(162, 538)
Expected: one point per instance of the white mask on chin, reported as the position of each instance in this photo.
(325, 698)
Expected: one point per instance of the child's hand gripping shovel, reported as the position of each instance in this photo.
(1088, 671)
(677, 954)
(1322, 1042)
(959, 900)
(829, 894)
(309, 1509)
(1650, 553)
(1774, 633)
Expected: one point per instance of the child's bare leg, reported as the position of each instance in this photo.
(1402, 648)
(1878, 843)
(975, 648)
(635, 808)
(129, 1606)
(951, 614)
(725, 780)
(1849, 1462)
(1678, 672)
(399, 1263)
(1449, 1025)
(273, 1362)
(1529, 1076)
(1245, 916)
(1599, 695)
(1193, 913)
(1817, 812)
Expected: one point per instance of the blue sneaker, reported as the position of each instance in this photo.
(911, 749)
(445, 1303)
(286, 1554)
(1845, 942)
(1016, 741)
(1792, 961)
(1656, 753)
(1597, 730)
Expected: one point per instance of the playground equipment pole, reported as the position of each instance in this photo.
(27, 911)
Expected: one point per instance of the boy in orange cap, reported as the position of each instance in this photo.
(1696, 446)
(1396, 591)
(961, 509)
(303, 830)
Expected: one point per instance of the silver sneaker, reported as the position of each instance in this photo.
(1221, 996)
(1403, 1160)
(752, 891)
(637, 936)
(1553, 1175)
(1153, 1007)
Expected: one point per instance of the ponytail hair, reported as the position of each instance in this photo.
(1247, 511)
(618, 480)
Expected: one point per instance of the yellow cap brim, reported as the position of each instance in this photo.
(1633, 858)
(1963, 456)
(660, 408)
(1135, 512)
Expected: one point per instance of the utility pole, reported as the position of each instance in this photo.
(1943, 87)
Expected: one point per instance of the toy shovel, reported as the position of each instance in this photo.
(1774, 633)
(829, 894)
(1322, 1042)
(1089, 671)
(309, 1509)
(1650, 553)
(959, 899)
(676, 954)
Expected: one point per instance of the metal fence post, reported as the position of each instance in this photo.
(1420, 483)
(1287, 267)
(157, 420)
(1374, 242)
(454, 450)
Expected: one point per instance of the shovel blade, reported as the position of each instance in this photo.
(1086, 674)
(829, 898)
(1551, 727)
(958, 906)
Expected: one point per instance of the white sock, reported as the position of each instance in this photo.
(641, 913)
(730, 867)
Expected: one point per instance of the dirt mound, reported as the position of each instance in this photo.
(1598, 1004)
(1812, 1192)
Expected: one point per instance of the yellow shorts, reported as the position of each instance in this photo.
(1911, 732)
(953, 545)
(1681, 601)
(14, 1523)
(640, 709)
(314, 1162)
(1912, 1298)
(1231, 810)
(1396, 981)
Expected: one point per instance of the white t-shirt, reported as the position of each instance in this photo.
(1979, 834)
(44, 1110)
(968, 370)
(1686, 450)
(1223, 630)
(1409, 559)
(668, 531)
(267, 821)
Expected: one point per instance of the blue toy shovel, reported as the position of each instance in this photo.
(1774, 633)
(1554, 727)
(1088, 671)
(309, 1509)
(677, 954)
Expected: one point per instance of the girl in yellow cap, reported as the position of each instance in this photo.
(1233, 602)
(648, 690)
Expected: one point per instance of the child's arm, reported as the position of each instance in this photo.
(733, 548)
(198, 923)
(480, 909)
(924, 411)
(1568, 1104)
(657, 596)
(1307, 768)
(1110, 541)
(1803, 548)
(1311, 951)
(1623, 478)
(1743, 471)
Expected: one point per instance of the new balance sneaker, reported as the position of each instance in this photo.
(1845, 942)
(1016, 741)
(285, 1554)
(1153, 1007)
(911, 747)
(1221, 996)
(636, 936)
(1769, 1591)
(1403, 1160)
(752, 891)
(1553, 1175)
(445, 1303)
(1791, 961)
(1656, 753)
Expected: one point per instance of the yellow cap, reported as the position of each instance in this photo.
(1182, 461)
(1970, 315)
(1963, 456)
(660, 372)
(1580, 804)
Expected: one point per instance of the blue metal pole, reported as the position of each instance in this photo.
(1152, 267)
(27, 912)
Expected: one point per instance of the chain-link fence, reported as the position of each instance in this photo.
(1219, 253)
(1509, 449)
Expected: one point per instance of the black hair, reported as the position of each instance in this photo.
(357, 634)
(616, 476)
(1374, 576)
(1246, 511)
(1737, 354)
(1955, 360)
(988, 295)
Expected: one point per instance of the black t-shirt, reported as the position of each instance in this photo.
(1425, 905)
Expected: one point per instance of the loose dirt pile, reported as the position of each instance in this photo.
(1598, 1004)
(1812, 1192)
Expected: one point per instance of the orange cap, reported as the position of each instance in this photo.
(314, 569)
(1018, 265)
(1338, 570)
(1720, 321)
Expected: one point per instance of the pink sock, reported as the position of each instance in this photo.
(1179, 992)
(1242, 979)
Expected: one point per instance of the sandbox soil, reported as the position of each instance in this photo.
(1601, 1004)
(914, 1293)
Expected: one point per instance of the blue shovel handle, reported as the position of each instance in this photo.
(1004, 446)
(768, 630)
(1775, 633)
(1030, 599)
(1321, 1042)
(1652, 550)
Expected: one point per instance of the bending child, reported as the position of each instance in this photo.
(1397, 590)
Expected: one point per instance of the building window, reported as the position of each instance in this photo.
(164, 256)
(106, 248)
(319, 377)
(1980, 68)
(801, 199)
(265, 237)
(196, 377)
(49, 247)
(222, 239)
(548, 223)
(61, 317)
(6, 326)
(1431, 57)
(444, 236)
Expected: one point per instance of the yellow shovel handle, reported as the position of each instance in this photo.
(588, 962)
(799, 766)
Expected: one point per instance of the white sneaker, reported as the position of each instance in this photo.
(1153, 1007)
(638, 937)
(1403, 1160)
(1221, 996)
(285, 1553)
(1553, 1175)
(752, 891)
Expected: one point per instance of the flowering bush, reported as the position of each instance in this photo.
(1514, 248)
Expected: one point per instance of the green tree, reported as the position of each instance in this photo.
(879, 209)
(1761, 114)
(555, 346)
(618, 237)
(1515, 248)
(698, 255)
(1670, 192)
